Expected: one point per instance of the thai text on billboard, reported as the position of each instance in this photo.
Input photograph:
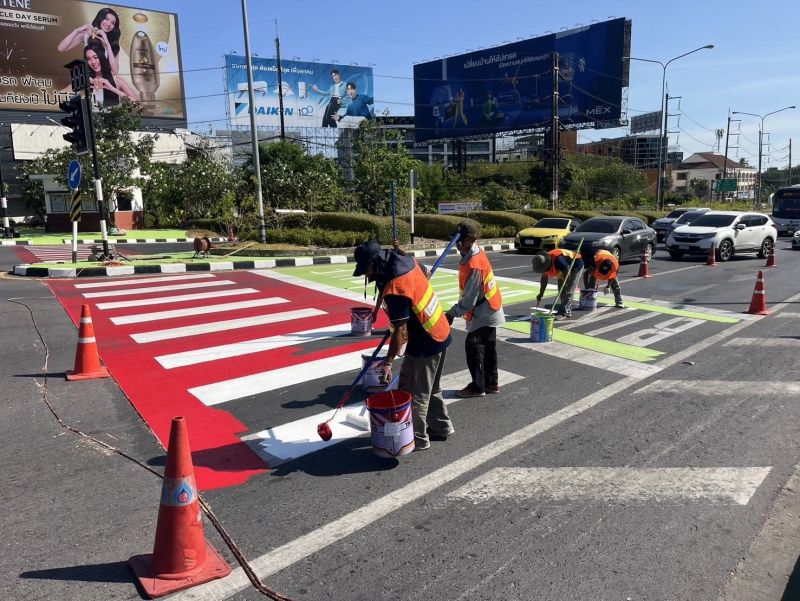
(314, 94)
(510, 87)
(131, 52)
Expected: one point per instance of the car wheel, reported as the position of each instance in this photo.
(649, 251)
(724, 251)
(675, 254)
(617, 252)
(766, 248)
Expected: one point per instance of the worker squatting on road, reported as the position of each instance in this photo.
(556, 264)
(480, 303)
(603, 267)
(420, 334)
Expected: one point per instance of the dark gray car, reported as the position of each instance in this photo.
(626, 237)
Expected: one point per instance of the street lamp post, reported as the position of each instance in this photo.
(662, 125)
(757, 200)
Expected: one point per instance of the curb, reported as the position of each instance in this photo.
(15, 242)
(110, 240)
(72, 272)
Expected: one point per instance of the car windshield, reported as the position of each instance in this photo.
(552, 223)
(601, 226)
(676, 213)
(713, 220)
(688, 217)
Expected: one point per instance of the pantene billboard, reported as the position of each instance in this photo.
(131, 52)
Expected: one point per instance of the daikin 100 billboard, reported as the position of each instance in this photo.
(510, 87)
(314, 94)
(131, 53)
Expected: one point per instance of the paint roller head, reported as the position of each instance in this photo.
(324, 431)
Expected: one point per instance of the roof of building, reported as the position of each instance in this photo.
(708, 160)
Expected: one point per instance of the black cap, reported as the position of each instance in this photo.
(605, 267)
(364, 254)
(467, 229)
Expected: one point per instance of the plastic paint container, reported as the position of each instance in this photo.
(360, 321)
(372, 377)
(541, 327)
(391, 426)
(588, 300)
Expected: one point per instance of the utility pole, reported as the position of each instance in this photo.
(555, 148)
(262, 228)
(4, 201)
(280, 79)
(788, 177)
(757, 203)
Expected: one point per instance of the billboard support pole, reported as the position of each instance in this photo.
(262, 230)
(4, 200)
(280, 79)
(725, 162)
(554, 138)
(412, 184)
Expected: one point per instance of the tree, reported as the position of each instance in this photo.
(700, 187)
(743, 162)
(381, 158)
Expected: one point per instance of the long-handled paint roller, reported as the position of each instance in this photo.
(324, 429)
(566, 278)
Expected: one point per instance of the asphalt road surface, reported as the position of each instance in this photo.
(645, 453)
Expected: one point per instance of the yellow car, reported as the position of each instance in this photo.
(545, 235)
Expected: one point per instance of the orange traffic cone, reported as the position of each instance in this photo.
(181, 556)
(771, 260)
(87, 361)
(644, 267)
(712, 256)
(758, 305)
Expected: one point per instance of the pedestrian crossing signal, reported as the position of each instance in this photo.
(78, 122)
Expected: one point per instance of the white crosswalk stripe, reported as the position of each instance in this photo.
(694, 388)
(204, 310)
(178, 298)
(766, 342)
(151, 289)
(157, 280)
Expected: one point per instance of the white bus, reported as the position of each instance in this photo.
(786, 210)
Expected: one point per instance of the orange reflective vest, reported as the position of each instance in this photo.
(491, 289)
(553, 272)
(414, 286)
(599, 257)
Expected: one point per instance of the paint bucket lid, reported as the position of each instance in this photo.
(388, 400)
(379, 357)
(361, 311)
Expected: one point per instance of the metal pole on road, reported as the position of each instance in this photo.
(4, 201)
(262, 228)
(661, 133)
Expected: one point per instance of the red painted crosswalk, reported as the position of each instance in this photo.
(52, 253)
(188, 344)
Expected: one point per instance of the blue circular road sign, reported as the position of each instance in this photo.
(74, 174)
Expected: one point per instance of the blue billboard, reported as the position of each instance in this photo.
(510, 87)
(314, 94)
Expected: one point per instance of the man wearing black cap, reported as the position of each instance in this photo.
(604, 267)
(566, 265)
(420, 332)
(481, 305)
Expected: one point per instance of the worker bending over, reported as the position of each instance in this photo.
(556, 264)
(603, 267)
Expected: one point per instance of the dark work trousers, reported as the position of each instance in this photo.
(481, 350)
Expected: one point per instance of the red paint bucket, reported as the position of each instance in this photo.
(390, 421)
(360, 321)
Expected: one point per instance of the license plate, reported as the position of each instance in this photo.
(683, 246)
(527, 241)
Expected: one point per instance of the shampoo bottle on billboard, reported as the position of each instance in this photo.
(144, 71)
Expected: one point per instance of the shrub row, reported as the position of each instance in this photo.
(371, 227)
(314, 237)
(439, 227)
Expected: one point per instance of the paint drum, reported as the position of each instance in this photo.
(360, 321)
(588, 300)
(391, 427)
(541, 327)
(372, 377)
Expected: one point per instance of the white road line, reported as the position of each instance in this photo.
(221, 326)
(178, 298)
(583, 318)
(691, 308)
(151, 289)
(719, 485)
(766, 342)
(229, 390)
(753, 388)
(247, 347)
(659, 273)
(622, 324)
(188, 276)
(315, 286)
(335, 530)
(298, 438)
(787, 315)
(204, 310)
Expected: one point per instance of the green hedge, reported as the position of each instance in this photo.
(371, 226)
(583, 215)
(204, 224)
(439, 227)
(542, 213)
(314, 237)
(501, 219)
(651, 216)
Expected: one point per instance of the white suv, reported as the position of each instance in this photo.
(732, 232)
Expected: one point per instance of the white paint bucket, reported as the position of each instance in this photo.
(541, 327)
(360, 321)
(588, 300)
(391, 426)
(372, 377)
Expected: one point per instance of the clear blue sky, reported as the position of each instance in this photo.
(754, 67)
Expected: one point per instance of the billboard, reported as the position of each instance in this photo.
(314, 94)
(510, 87)
(131, 53)
(646, 122)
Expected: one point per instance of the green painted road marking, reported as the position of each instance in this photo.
(607, 347)
(670, 311)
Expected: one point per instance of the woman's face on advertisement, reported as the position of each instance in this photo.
(93, 61)
(108, 23)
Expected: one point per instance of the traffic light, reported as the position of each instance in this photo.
(78, 122)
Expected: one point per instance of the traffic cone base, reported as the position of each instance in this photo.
(181, 557)
(159, 585)
(87, 359)
(771, 259)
